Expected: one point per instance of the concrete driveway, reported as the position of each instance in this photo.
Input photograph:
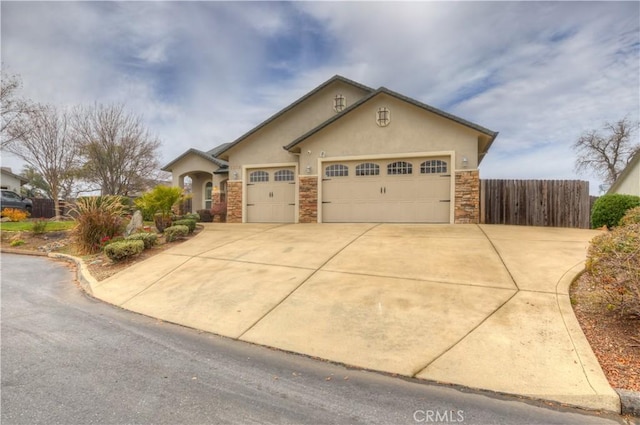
(481, 306)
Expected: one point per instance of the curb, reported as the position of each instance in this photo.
(86, 280)
(24, 252)
(629, 402)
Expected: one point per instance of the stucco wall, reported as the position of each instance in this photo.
(412, 129)
(630, 184)
(265, 146)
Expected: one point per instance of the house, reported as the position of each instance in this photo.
(11, 181)
(344, 152)
(628, 183)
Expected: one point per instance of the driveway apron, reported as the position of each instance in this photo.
(482, 306)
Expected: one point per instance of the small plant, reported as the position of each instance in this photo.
(17, 242)
(39, 226)
(205, 216)
(98, 217)
(192, 216)
(149, 239)
(118, 251)
(609, 209)
(190, 223)
(175, 232)
(14, 214)
(159, 203)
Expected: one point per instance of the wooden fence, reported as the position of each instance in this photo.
(554, 203)
(44, 208)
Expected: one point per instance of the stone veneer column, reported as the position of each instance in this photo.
(308, 199)
(467, 202)
(234, 202)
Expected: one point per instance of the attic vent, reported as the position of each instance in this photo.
(383, 117)
(339, 103)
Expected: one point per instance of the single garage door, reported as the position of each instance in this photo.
(271, 195)
(412, 190)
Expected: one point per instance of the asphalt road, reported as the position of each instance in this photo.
(70, 359)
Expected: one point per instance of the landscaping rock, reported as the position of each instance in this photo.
(135, 224)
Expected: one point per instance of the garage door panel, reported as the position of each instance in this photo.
(415, 197)
(271, 201)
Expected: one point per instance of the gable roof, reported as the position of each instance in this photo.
(293, 105)
(209, 156)
(384, 90)
(623, 175)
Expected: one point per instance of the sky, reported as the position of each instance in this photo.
(204, 73)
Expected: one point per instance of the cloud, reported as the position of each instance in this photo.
(203, 73)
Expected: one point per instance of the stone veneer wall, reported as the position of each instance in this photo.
(467, 202)
(308, 199)
(234, 202)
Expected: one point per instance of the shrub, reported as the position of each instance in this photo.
(17, 242)
(14, 214)
(632, 216)
(614, 262)
(118, 251)
(190, 223)
(97, 218)
(158, 203)
(192, 216)
(39, 226)
(149, 239)
(205, 216)
(175, 232)
(609, 209)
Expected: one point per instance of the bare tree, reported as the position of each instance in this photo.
(14, 110)
(606, 155)
(43, 141)
(119, 153)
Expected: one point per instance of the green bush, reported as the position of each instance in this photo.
(613, 261)
(118, 251)
(189, 222)
(149, 239)
(175, 232)
(205, 216)
(159, 203)
(192, 216)
(632, 216)
(99, 219)
(608, 210)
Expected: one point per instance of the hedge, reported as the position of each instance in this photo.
(609, 209)
(175, 232)
(149, 239)
(118, 251)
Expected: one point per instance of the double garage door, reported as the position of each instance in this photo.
(412, 190)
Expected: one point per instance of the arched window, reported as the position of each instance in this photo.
(399, 167)
(433, 166)
(367, 169)
(208, 188)
(283, 176)
(336, 170)
(258, 177)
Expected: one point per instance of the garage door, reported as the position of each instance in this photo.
(271, 195)
(413, 190)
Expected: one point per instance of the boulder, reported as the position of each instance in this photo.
(135, 224)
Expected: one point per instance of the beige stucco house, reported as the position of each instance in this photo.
(628, 183)
(344, 152)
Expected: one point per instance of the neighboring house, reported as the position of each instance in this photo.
(11, 181)
(344, 152)
(628, 183)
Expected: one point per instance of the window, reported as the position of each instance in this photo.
(399, 167)
(367, 169)
(339, 103)
(258, 177)
(283, 176)
(336, 170)
(207, 195)
(383, 117)
(433, 166)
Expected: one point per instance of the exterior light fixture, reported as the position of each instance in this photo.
(235, 175)
(308, 169)
(465, 162)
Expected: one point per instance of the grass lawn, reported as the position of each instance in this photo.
(21, 226)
